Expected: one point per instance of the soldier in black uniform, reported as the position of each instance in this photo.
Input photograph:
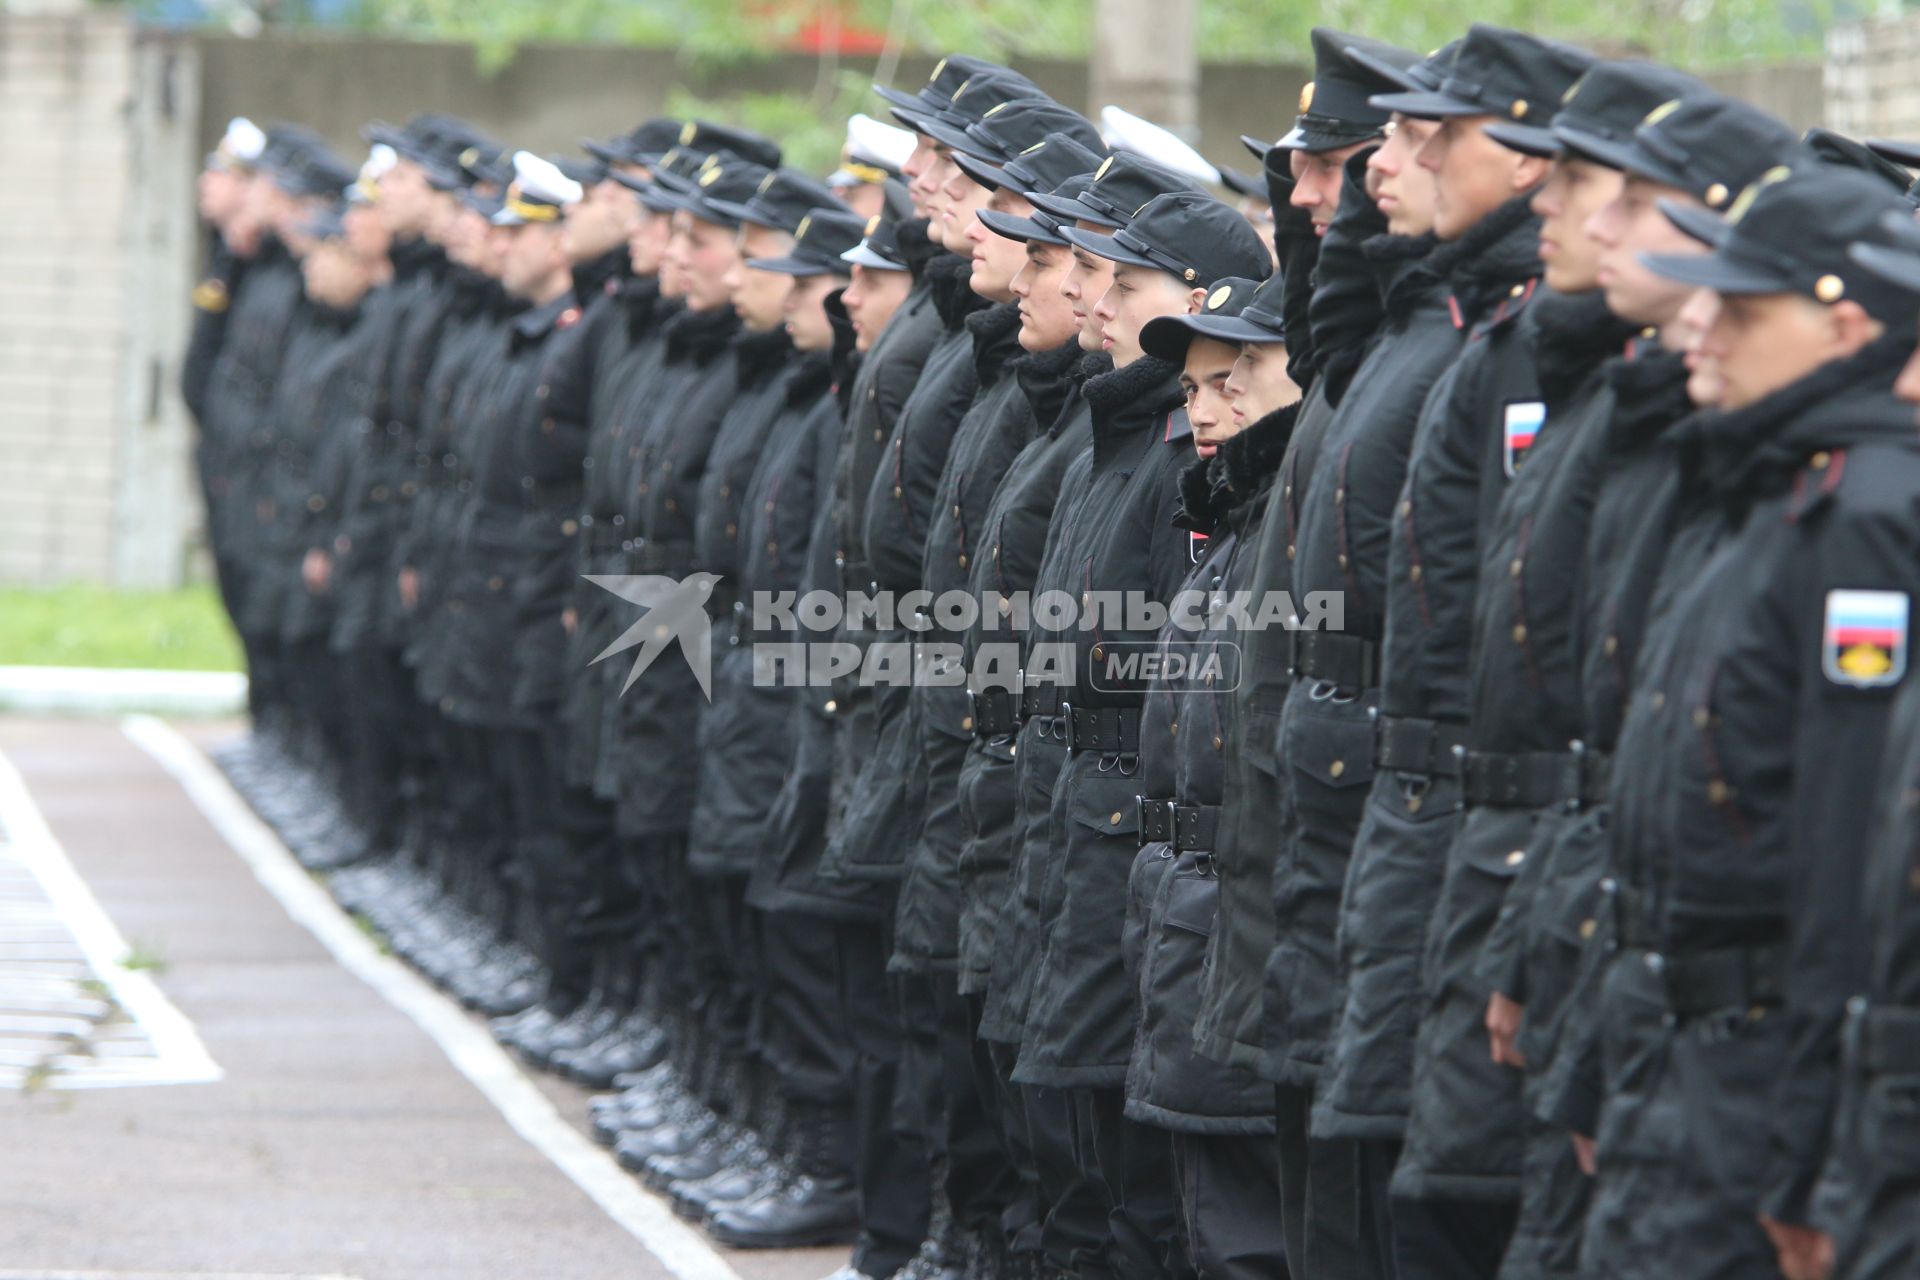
(1220, 1117)
(1336, 122)
(1117, 540)
(1873, 1193)
(1742, 785)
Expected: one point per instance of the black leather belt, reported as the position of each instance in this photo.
(1185, 827)
(1536, 779)
(673, 559)
(1709, 981)
(1348, 661)
(1410, 744)
(996, 713)
(1042, 702)
(1884, 1039)
(1109, 731)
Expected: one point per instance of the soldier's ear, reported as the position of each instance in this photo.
(1853, 328)
(1530, 172)
(1196, 301)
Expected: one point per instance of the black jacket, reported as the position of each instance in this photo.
(1012, 538)
(996, 426)
(1121, 543)
(1749, 757)
(882, 814)
(1185, 729)
(1340, 540)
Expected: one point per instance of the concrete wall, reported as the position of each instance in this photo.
(64, 88)
(1872, 89)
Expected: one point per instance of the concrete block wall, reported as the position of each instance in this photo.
(64, 83)
(1873, 77)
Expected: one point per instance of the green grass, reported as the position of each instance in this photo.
(86, 626)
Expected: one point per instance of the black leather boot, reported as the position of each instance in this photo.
(817, 1205)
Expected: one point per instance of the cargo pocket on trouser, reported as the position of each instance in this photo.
(1327, 748)
(989, 801)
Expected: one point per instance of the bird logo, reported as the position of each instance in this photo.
(676, 609)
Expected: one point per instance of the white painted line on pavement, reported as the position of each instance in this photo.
(179, 1056)
(471, 1050)
(116, 691)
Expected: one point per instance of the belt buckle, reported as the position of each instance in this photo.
(1066, 719)
(1572, 773)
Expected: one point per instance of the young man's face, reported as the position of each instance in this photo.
(531, 257)
(1317, 179)
(1086, 280)
(871, 299)
(1473, 174)
(962, 197)
(759, 296)
(918, 171)
(1259, 383)
(708, 252)
(1137, 295)
(1403, 189)
(928, 189)
(601, 222)
(1209, 406)
(806, 312)
(647, 242)
(1047, 318)
(868, 199)
(1627, 226)
(1759, 343)
(367, 233)
(1907, 385)
(220, 194)
(404, 199)
(1574, 191)
(996, 259)
(334, 274)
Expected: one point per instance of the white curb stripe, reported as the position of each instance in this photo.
(180, 1057)
(471, 1050)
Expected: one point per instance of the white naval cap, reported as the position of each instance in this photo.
(1125, 131)
(874, 151)
(538, 192)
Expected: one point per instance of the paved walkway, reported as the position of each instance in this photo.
(338, 1140)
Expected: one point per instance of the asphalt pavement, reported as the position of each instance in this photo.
(339, 1140)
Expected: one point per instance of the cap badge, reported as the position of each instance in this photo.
(800, 232)
(873, 224)
(688, 132)
(1101, 172)
(468, 157)
(1188, 275)
(1717, 194)
(937, 69)
(1519, 108)
(1219, 297)
(710, 177)
(1829, 288)
(1306, 97)
(1746, 198)
(1661, 112)
(765, 183)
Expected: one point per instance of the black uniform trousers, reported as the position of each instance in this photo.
(1226, 1184)
(1333, 1196)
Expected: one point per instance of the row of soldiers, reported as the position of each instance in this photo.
(1460, 820)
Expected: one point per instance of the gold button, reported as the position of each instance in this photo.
(569, 527)
(1519, 108)
(1718, 792)
(1611, 645)
(1821, 459)
(956, 511)
(1700, 717)
(1829, 288)
(773, 548)
(1289, 552)
(1413, 574)
(1098, 653)
(1006, 605)
(1337, 768)
(1514, 568)
(1517, 857)
(1516, 291)
(1173, 728)
(1657, 699)
(1343, 562)
(963, 561)
(832, 706)
(878, 435)
(732, 528)
(1588, 927)
(1406, 508)
(1217, 742)
(896, 491)
(1414, 803)
(1717, 194)
(1520, 633)
(1114, 820)
(1339, 497)
(966, 722)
